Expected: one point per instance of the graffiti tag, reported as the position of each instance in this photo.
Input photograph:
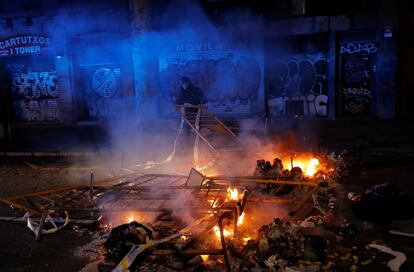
(310, 105)
(35, 95)
(101, 99)
(225, 81)
(356, 75)
(353, 48)
(104, 81)
(299, 82)
(34, 85)
(37, 110)
(356, 91)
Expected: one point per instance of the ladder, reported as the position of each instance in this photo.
(218, 137)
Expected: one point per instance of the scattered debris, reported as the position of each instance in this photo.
(122, 238)
(281, 237)
(93, 250)
(394, 264)
(52, 222)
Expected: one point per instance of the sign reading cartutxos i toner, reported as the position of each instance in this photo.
(22, 45)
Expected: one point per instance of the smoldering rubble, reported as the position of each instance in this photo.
(322, 241)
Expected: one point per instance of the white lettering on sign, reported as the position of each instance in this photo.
(201, 46)
(27, 50)
(23, 45)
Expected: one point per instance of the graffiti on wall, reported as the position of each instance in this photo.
(35, 94)
(104, 81)
(297, 86)
(102, 87)
(230, 82)
(358, 48)
(356, 78)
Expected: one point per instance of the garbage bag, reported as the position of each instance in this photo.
(383, 203)
(123, 237)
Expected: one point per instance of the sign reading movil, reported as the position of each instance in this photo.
(23, 45)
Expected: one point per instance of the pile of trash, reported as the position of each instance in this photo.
(283, 237)
(313, 245)
(265, 168)
(178, 263)
(109, 250)
(329, 170)
(322, 242)
(277, 245)
(123, 237)
(317, 243)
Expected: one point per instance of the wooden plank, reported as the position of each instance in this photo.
(19, 206)
(286, 182)
(46, 198)
(303, 201)
(224, 247)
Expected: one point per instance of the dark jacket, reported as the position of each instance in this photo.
(192, 95)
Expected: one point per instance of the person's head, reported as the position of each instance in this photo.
(185, 82)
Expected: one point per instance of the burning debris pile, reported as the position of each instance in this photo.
(165, 246)
(229, 242)
(312, 244)
(316, 176)
(217, 223)
(122, 237)
(283, 237)
(303, 167)
(286, 246)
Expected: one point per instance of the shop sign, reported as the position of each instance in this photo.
(22, 45)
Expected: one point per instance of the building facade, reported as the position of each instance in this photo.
(66, 64)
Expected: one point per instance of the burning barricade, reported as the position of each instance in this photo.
(230, 237)
(217, 223)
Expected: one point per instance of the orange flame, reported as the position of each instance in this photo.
(309, 167)
(130, 218)
(204, 257)
(206, 170)
(240, 219)
(213, 203)
(246, 239)
(226, 233)
(233, 194)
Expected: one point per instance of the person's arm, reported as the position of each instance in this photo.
(182, 100)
